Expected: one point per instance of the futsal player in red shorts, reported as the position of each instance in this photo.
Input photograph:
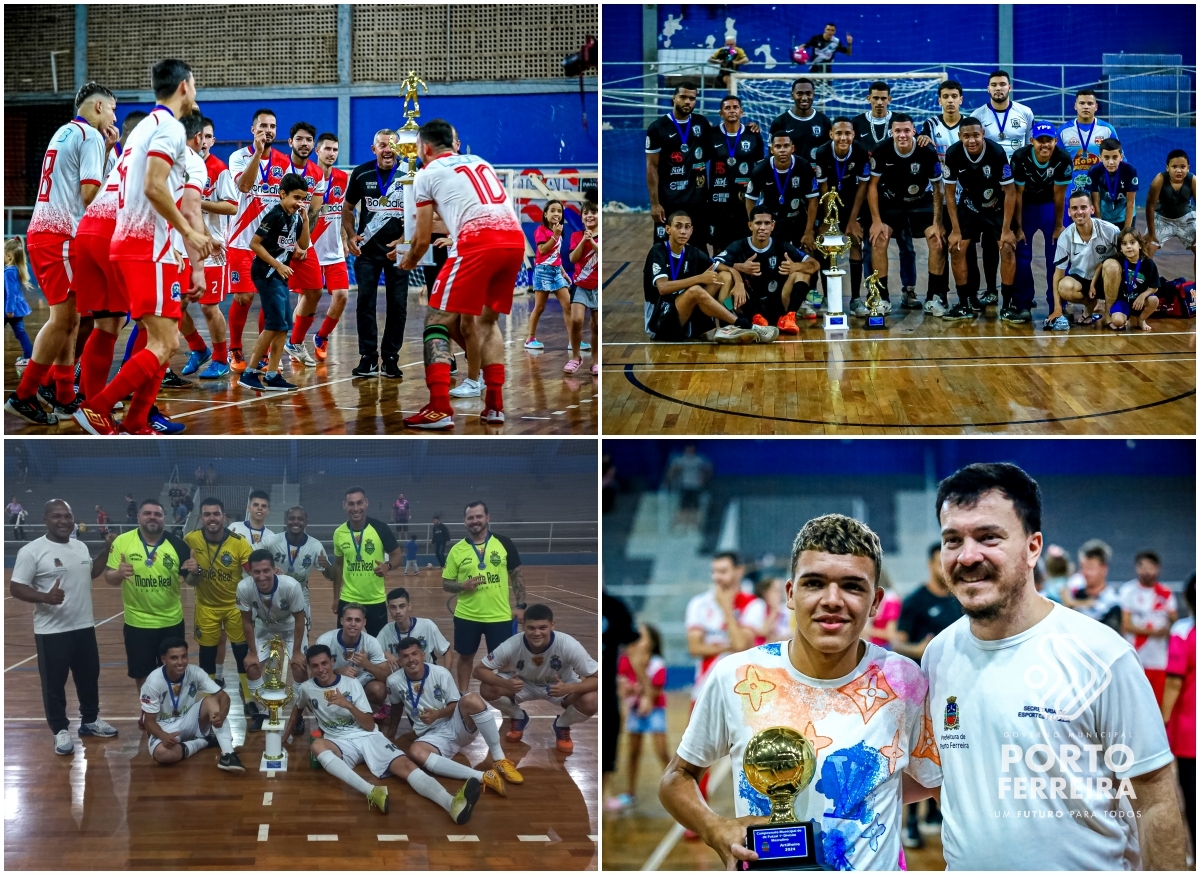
(476, 283)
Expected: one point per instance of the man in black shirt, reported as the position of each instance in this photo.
(681, 137)
(844, 165)
(979, 167)
(787, 186)
(905, 191)
(683, 293)
(824, 46)
(807, 127)
(284, 227)
(440, 537)
(375, 188)
(734, 150)
(770, 278)
(1041, 172)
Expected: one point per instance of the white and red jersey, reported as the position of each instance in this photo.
(585, 272)
(470, 198)
(141, 233)
(256, 203)
(704, 613)
(1149, 606)
(101, 215)
(75, 157)
(327, 235)
(195, 177)
(220, 189)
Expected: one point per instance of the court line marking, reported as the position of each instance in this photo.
(546, 598)
(947, 367)
(267, 797)
(564, 589)
(322, 838)
(522, 838)
(616, 273)
(392, 838)
(28, 658)
(891, 338)
(594, 838)
(999, 360)
(263, 830)
(463, 838)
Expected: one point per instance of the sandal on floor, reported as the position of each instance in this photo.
(572, 366)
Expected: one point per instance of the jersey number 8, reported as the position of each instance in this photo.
(47, 182)
(485, 182)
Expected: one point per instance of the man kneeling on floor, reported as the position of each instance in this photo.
(683, 293)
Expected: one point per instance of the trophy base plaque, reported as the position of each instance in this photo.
(274, 764)
(791, 846)
(876, 323)
(274, 758)
(835, 322)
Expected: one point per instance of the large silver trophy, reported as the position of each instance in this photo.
(833, 244)
(274, 695)
(405, 142)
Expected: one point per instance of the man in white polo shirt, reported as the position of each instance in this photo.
(55, 574)
(1051, 745)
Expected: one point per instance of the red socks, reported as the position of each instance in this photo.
(238, 313)
(221, 352)
(141, 367)
(327, 327)
(96, 362)
(195, 342)
(64, 382)
(437, 378)
(493, 380)
(35, 374)
(143, 399)
(303, 323)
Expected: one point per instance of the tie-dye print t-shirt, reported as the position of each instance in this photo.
(866, 728)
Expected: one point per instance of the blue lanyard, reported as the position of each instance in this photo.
(683, 147)
(400, 636)
(256, 535)
(1113, 190)
(736, 139)
(383, 187)
(675, 266)
(342, 644)
(1083, 141)
(1132, 276)
(263, 174)
(171, 692)
(150, 554)
(415, 700)
(480, 551)
(786, 179)
(838, 169)
(328, 186)
(292, 557)
(1002, 124)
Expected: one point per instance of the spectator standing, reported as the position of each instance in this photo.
(440, 537)
(12, 509)
(400, 512)
(1058, 572)
(18, 520)
(101, 521)
(1088, 591)
(198, 475)
(410, 556)
(689, 473)
(882, 628)
(729, 57)
(824, 46)
(131, 510)
(1179, 702)
(1148, 611)
(210, 476)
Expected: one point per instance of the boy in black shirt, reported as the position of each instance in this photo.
(808, 128)
(906, 192)
(1041, 173)
(980, 168)
(770, 278)
(283, 229)
(787, 185)
(843, 164)
(682, 289)
(676, 162)
(1113, 185)
(735, 149)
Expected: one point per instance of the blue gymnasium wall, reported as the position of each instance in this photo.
(507, 129)
(1042, 34)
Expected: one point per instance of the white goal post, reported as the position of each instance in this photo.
(838, 93)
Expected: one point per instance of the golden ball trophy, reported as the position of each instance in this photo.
(833, 244)
(274, 695)
(780, 763)
(405, 142)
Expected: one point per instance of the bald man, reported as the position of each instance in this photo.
(55, 573)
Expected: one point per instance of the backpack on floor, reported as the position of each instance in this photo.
(1177, 299)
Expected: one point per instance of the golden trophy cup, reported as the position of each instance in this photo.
(780, 763)
(833, 244)
(876, 316)
(274, 694)
(405, 143)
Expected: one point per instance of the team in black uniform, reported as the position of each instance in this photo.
(676, 155)
(734, 150)
(844, 165)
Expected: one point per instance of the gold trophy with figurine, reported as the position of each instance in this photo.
(876, 318)
(780, 763)
(274, 695)
(404, 141)
(833, 244)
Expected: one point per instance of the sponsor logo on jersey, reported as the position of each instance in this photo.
(913, 189)
(647, 141)
(676, 157)
(719, 168)
(680, 185)
(168, 562)
(916, 167)
(795, 203)
(699, 152)
(147, 700)
(743, 167)
(277, 173)
(538, 660)
(950, 717)
(58, 563)
(520, 663)
(176, 291)
(987, 171)
(987, 193)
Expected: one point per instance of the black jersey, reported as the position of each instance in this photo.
(278, 232)
(728, 178)
(661, 262)
(905, 181)
(769, 280)
(379, 196)
(785, 193)
(843, 174)
(807, 133)
(869, 131)
(683, 151)
(980, 180)
(1036, 181)
(1137, 276)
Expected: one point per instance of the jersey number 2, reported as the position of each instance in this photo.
(485, 182)
(47, 182)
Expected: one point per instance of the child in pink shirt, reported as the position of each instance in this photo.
(548, 274)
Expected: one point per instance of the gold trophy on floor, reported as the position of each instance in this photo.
(274, 695)
(876, 319)
(833, 244)
(780, 763)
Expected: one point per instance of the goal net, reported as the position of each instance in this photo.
(767, 95)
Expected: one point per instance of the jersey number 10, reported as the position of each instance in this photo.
(485, 182)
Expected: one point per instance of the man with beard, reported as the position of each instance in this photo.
(682, 138)
(735, 149)
(1086, 780)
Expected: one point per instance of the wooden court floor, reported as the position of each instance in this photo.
(631, 836)
(109, 806)
(538, 397)
(920, 376)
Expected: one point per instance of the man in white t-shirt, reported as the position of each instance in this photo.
(1148, 610)
(357, 654)
(55, 574)
(541, 664)
(254, 527)
(1051, 746)
(1086, 270)
(860, 706)
(297, 554)
(723, 620)
(403, 625)
(270, 604)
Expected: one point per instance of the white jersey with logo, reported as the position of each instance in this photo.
(253, 205)
(219, 190)
(468, 195)
(433, 642)
(562, 661)
(342, 652)
(157, 693)
(195, 177)
(1079, 257)
(941, 135)
(434, 691)
(43, 563)
(1013, 720)
(327, 235)
(298, 562)
(74, 157)
(256, 538)
(141, 233)
(705, 614)
(1082, 143)
(273, 611)
(867, 730)
(1011, 129)
(1150, 606)
(335, 721)
(104, 204)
